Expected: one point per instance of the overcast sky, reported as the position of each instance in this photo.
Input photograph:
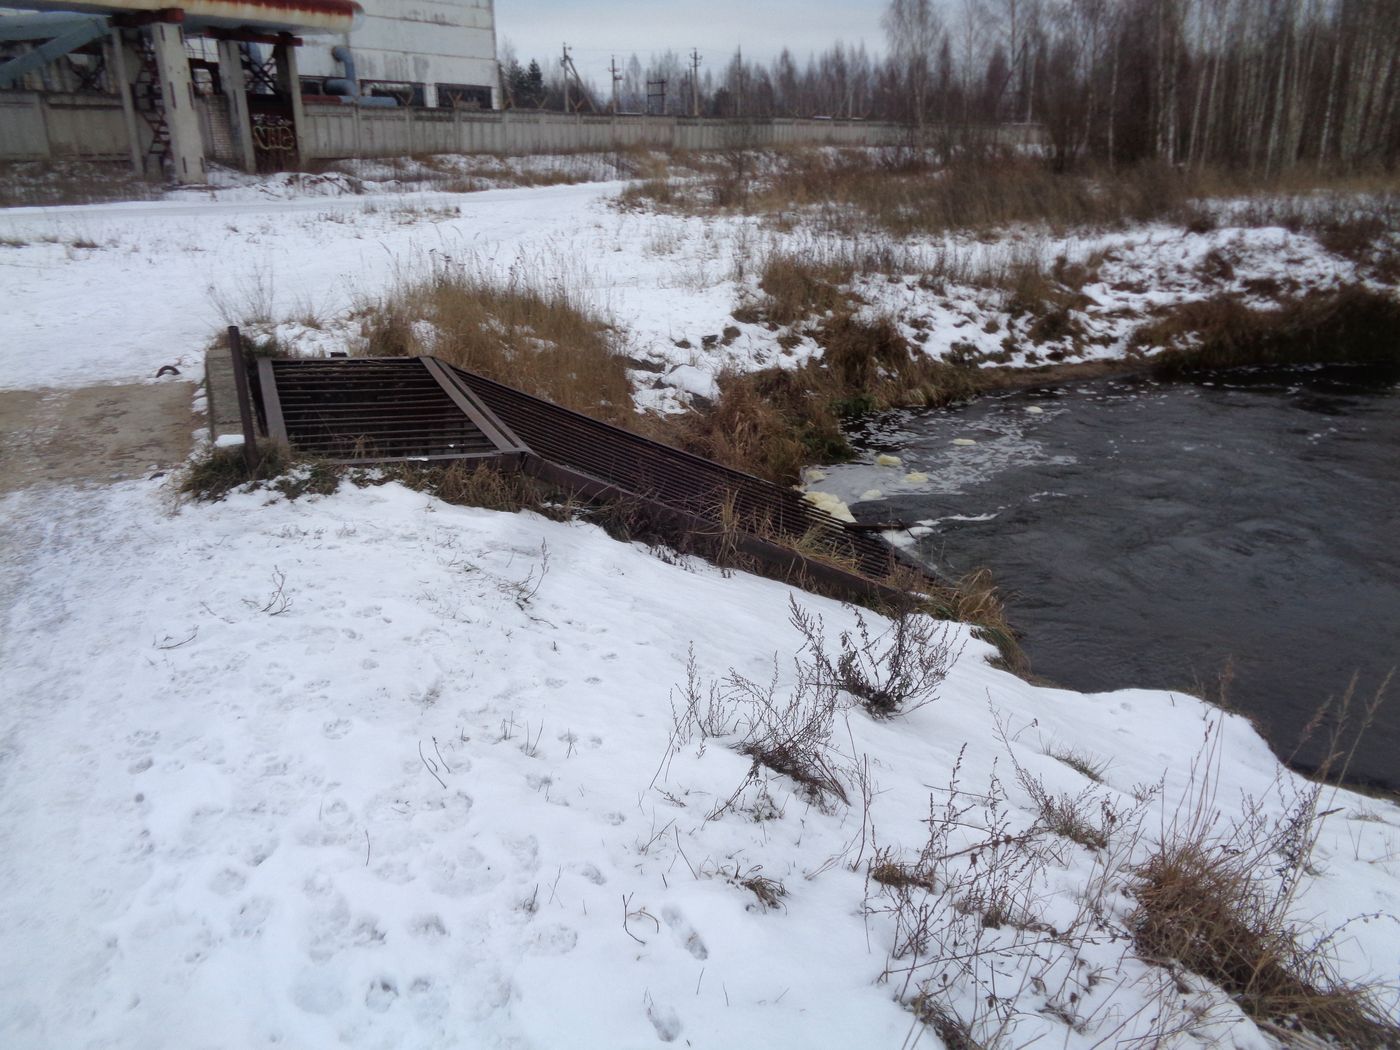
(598, 29)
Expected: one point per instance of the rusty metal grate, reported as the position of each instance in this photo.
(370, 409)
(387, 409)
(629, 464)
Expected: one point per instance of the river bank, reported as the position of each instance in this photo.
(1151, 530)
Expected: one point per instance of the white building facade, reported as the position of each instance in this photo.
(436, 53)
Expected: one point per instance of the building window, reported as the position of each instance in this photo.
(463, 96)
(407, 94)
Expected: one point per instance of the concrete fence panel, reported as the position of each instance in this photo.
(23, 135)
(334, 132)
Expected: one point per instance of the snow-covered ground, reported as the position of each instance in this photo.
(109, 293)
(375, 771)
(372, 770)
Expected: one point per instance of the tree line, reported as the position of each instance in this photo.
(1263, 85)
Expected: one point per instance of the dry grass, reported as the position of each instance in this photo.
(539, 339)
(1201, 905)
(1082, 762)
(769, 423)
(773, 422)
(31, 183)
(470, 484)
(218, 471)
(798, 287)
(906, 192)
(1217, 897)
(1352, 323)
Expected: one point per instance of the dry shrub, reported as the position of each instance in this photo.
(894, 672)
(1070, 816)
(784, 730)
(538, 339)
(962, 912)
(1352, 323)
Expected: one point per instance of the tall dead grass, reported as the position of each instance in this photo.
(538, 338)
(1349, 324)
(1218, 896)
(906, 192)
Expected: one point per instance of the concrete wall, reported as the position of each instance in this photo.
(349, 131)
(42, 127)
(37, 126)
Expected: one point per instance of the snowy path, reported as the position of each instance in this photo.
(109, 293)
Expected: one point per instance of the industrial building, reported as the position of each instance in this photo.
(170, 88)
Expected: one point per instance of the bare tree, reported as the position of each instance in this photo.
(913, 30)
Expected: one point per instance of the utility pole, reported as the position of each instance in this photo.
(739, 82)
(616, 79)
(694, 82)
(564, 64)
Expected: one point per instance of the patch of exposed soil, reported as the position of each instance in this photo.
(93, 434)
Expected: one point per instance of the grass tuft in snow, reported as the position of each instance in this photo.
(1081, 761)
(218, 471)
(1218, 897)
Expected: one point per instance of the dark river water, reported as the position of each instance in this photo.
(1149, 533)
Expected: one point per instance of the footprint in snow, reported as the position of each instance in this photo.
(337, 728)
(250, 918)
(140, 765)
(526, 851)
(495, 992)
(428, 1002)
(589, 872)
(318, 993)
(255, 853)
(684, 933)
(554, 939)
(427, 926)
(466, 873)
(665, 1020)
(381, 994)
(227, 882)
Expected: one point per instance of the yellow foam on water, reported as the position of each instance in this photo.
(829, 503)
